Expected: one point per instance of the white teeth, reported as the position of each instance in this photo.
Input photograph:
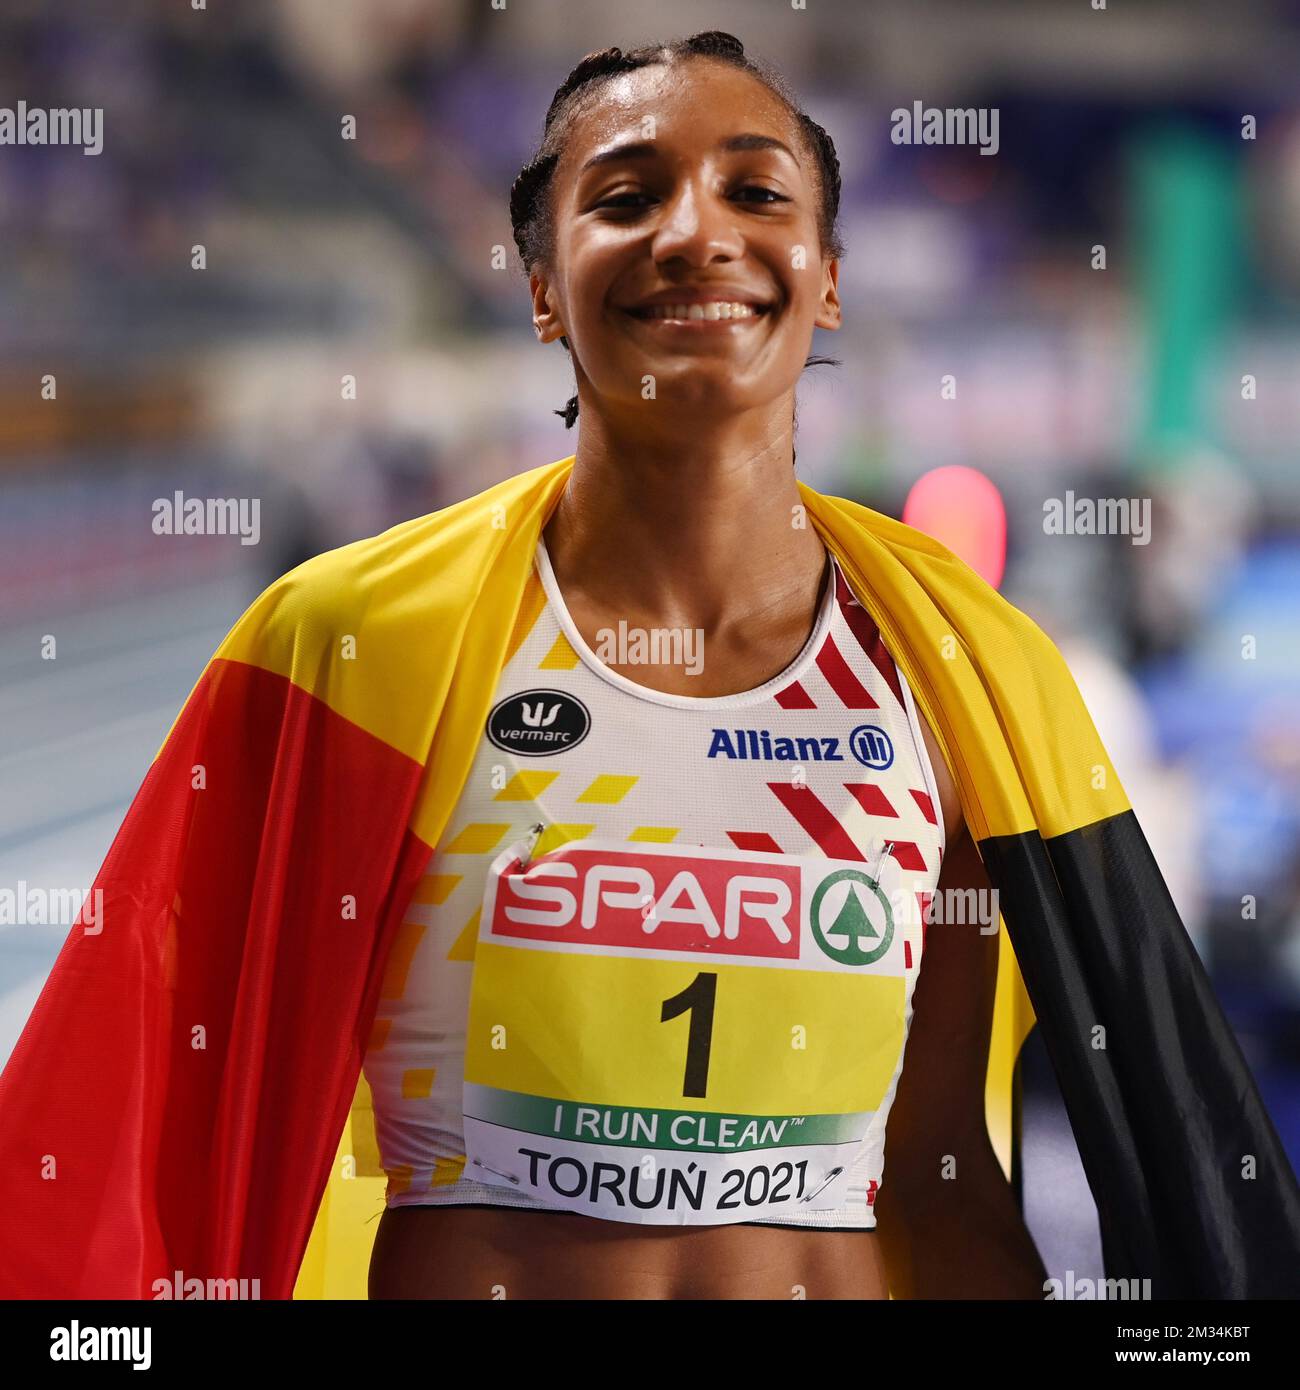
(713, 309)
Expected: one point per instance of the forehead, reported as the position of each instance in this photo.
(693, 105)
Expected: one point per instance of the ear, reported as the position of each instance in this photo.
(828, 310)
(546, 318)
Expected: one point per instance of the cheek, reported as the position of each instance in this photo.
(591, 266)
(801, 278)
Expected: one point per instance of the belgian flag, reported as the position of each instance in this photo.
(177, 1099)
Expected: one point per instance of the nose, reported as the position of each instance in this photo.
(699, 227)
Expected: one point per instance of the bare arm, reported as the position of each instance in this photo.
(946, 1214)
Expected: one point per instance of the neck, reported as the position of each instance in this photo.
(705, 528)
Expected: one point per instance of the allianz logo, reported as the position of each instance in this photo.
(869, 745)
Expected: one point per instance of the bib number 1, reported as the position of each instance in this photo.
(697, 999)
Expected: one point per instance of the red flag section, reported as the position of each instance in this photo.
(176, 1054)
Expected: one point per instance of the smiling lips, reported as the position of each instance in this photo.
(697, 313)
(713, 310)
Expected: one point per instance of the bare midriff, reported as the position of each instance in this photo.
(503, 1252)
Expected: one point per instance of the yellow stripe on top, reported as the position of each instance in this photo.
(531, 607)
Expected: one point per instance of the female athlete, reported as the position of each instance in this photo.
(679, 231)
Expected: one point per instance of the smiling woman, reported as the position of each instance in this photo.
(679, 230)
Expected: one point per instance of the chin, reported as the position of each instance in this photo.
(710, 385)
(706, 399)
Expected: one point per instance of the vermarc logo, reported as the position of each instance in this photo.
(539, 723)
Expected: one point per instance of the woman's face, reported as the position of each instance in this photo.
(686, 186)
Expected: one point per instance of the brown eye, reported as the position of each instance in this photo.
(620, 200)
(771, 193)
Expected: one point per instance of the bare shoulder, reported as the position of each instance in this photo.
(949, 800)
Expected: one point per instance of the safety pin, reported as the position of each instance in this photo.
(509, 1177)
(534, 834)
(826, 1182)
(880, 863)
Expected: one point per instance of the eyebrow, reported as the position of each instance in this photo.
(644, 149)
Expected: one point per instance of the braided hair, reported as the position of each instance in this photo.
(530, 203)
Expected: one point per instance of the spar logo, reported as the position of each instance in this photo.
(669, 901)
(851, 918)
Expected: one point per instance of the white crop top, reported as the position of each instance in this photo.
(660, 968)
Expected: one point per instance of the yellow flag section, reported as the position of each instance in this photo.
(1013, 1020)
(337, 1261)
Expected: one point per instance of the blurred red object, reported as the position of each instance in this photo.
(963, 509)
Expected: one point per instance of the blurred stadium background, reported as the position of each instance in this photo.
(1120, 128)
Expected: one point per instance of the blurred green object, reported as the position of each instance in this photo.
(1186, 192)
